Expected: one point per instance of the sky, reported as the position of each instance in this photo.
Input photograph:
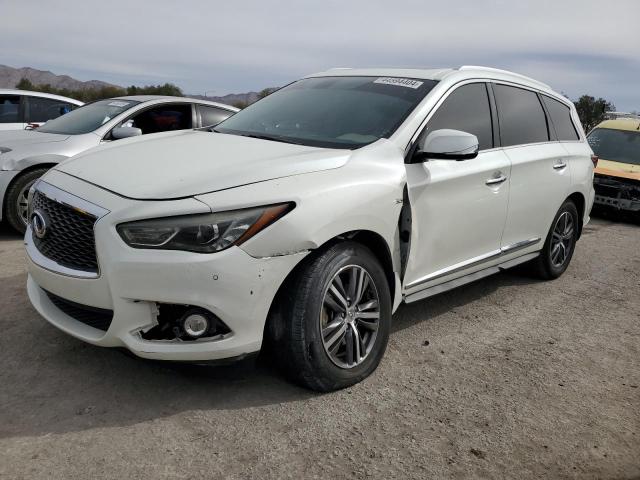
(213, 47)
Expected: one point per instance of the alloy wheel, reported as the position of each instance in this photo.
(562, 239)
(350, 316)
(22, 202)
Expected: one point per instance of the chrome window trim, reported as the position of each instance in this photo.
(76, 203)
(494, 81)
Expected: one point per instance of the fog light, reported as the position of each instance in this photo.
(195, 324)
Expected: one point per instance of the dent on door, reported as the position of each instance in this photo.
(458, 212)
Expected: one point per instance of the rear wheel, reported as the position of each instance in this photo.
(336, 315)
(16, 210)
(560, 243)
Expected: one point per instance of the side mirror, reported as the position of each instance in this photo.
(447, 144)
(125, 132)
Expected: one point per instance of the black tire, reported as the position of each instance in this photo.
(544, 266)
(11, 212)
(299, 347)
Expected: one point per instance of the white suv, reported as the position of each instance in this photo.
(303, 221)
(22, 108)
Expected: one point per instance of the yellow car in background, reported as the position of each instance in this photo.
(617, 177)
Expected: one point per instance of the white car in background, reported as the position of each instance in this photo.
(20, 108)
(26, 155)
(303, 221)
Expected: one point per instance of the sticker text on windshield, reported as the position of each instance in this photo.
(399, 82)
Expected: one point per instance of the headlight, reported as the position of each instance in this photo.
(203, 233)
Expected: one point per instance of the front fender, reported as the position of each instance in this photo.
(365, 194)
(28, 162)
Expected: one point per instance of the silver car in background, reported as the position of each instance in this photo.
(26, 155)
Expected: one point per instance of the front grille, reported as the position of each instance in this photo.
(99, 318)
(69, 239)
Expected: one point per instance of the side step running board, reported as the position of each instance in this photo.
(472, 277)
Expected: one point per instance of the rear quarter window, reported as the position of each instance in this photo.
(522, 118)
(9, 109)
(211, 116)
(561, 119)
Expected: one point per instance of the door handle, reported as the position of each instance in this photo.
(496, 180)
(560, 165)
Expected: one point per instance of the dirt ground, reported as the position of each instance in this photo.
(506, 378)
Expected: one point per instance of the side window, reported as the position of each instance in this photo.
(9, 108)
(466, 109)
(43, 109)
(212, 116)
(162, 119)
(522, 118)
(561, 119)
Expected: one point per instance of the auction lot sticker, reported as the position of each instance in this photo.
(399, 82)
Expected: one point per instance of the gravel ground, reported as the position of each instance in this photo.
(506, 378)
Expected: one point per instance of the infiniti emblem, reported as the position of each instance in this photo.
(39, 224)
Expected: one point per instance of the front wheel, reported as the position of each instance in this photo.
(560, 243)
(16, 210)
(336, 316)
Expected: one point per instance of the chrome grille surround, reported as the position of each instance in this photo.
(69, 245)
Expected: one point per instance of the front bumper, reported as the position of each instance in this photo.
(234, 286)
(618, 193)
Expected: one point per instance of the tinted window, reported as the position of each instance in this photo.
(87, 118)
(9, 109)
(332, 112)
(466, 109)
(162, 119)
(43, 109)
(212, 116)
(618, 145)
(561, 119)
(522, 119)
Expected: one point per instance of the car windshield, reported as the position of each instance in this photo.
(331, 112)
(617, 145)
(86, 119)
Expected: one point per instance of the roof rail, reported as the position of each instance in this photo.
(506, 72)
(616, 115)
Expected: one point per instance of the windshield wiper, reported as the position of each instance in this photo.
(260, 136)
(269, 137)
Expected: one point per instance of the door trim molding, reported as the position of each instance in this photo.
(472, 277)
(514, 247)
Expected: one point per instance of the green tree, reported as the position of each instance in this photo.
(591, 110)
(265, 92)
(240, 104)
(93, 94)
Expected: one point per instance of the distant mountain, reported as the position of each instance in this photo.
(232, 98)
(10, 76)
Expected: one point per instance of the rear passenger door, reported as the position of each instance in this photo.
(458, 208)
(540, 176)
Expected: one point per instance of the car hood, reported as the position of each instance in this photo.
(20, 138)
(182, 164)
(618, 169)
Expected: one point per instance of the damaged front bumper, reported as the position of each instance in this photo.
(618, 193)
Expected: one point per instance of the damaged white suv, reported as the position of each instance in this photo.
(303, 221)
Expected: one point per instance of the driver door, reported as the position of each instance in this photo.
(458, 208)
